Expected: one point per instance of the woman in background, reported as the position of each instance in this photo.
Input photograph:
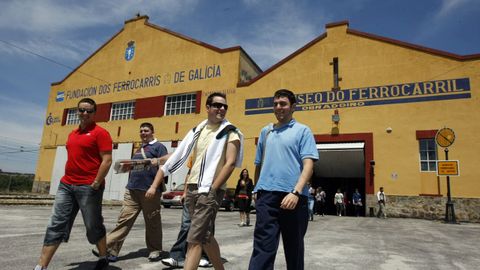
(243, 196)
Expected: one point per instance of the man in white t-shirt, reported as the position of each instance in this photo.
(381, 198)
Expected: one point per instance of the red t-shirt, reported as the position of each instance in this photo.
(83, 148)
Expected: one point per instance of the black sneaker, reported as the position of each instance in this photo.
(110, 257)
(102, 264)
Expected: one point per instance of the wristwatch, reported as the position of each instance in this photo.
(296, 193)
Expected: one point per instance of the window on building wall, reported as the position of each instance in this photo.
(428, 155)
(180, 104)
(72, 117)
(122, 110)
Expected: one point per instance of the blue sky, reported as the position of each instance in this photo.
(68, 31)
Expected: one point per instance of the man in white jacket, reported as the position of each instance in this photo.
(217, 148)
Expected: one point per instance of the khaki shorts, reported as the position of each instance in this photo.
(203, 210)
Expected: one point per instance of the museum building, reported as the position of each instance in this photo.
(374, 105)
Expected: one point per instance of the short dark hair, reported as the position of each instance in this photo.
(148, 125)
(286, 93)
(89, 101)
(214, 94)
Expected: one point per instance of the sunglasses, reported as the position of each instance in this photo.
(219, 105)
(82, 110)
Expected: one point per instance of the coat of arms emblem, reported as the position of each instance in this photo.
(130, 51)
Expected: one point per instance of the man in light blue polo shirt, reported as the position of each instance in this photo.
(284, 161)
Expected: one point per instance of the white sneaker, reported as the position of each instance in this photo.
(172, 262)
(204, 263)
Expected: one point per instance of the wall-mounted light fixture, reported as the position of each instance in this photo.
(336, 117)
(389, 130)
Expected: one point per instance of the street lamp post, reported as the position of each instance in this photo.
(450, 209)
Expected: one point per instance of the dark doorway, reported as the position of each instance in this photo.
(340, 166)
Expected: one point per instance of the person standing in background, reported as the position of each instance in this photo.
(320, 197)
(338, 201)
(243, 196)
(346, 202)
(381, 199)
(311, 202)
(357, 202)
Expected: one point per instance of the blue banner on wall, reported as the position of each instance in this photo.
(370, 96)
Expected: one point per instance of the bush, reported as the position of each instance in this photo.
(16, 182)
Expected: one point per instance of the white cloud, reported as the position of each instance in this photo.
(21, 120)
(47, 17)
(21, 126)
(66, 50)
(449, 6)
(285, 31)
(445, 12)
(56, 29)
(56, 16)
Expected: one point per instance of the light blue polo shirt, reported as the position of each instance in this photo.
(286, 147)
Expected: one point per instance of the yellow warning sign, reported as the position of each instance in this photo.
(447, 167)
(445, 137)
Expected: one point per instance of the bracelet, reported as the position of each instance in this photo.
(296, 193)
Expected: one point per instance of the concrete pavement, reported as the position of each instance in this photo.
(331, 242)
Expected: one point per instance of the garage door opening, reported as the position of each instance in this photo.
(340, 166)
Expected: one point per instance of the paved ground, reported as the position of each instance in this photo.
(331, 242)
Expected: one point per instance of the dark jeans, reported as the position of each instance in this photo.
(271, 221)
(340, 207)
(68, 200)
(320, 207)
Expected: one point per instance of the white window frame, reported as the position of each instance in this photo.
(427, 156)
(181, 104)
(122, 110)
(72, 117)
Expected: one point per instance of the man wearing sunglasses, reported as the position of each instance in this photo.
(217, 148)
(89, 149)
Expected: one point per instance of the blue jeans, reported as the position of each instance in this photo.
(179, 249)
(311, 204)
(68, 201)
(271, 221)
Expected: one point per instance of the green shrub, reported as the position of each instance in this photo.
(16, 182)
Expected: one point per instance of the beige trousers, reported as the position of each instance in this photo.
(134, 201)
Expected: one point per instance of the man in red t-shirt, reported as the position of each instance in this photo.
(89, 149)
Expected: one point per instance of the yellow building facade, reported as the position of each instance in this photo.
(374, 105)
